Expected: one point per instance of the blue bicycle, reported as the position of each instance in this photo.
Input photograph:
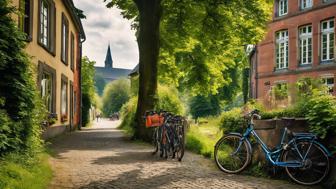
(305, 160)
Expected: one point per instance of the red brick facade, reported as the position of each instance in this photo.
(264, 73)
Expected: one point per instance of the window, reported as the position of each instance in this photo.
(72, 52)
(283, 7)
(46, 24)
(329, 82)
(327, 40)
(306, 4)
(64, 99)
(282, 49)
(65, 39)
(47, 85)
(26, 19)
(44, 38)
(46, 91)
(305, 44)
(280, 91)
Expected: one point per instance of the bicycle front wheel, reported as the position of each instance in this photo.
(315, 166)
(232, 155)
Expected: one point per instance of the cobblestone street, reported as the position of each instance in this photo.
(101, 157)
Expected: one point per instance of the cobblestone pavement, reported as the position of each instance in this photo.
(101, 157)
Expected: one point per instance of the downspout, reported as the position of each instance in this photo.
(256, 71)
(83, 39)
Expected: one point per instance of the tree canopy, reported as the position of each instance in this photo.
(198, 40)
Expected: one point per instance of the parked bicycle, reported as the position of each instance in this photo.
(305, 160)
(169, 133)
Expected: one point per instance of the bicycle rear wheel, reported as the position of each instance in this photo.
(315, 167)
(181, 144)
(231, 154)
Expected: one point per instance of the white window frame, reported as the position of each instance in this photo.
(306, 4)
(47, 90)
(283, 7)
(281, 50)
(330, 86)
(44, 16)
(64, 99)
(306, 44)
(330, 44)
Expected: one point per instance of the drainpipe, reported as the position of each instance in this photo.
(83, 39)
(256, 71)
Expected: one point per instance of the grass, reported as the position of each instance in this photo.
(202, 137)
(19, 171)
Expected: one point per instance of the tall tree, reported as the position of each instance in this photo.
(205, 32)
(88, 88)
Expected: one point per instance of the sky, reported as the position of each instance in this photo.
(103, 26)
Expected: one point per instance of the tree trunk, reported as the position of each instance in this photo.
(148, 42)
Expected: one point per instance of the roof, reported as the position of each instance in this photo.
(135, 70)
(78, 23)
(110, 74)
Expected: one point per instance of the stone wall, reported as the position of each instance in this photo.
(270, 131)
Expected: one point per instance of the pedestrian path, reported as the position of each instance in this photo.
(102, 157)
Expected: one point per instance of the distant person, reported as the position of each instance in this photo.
(98, 116)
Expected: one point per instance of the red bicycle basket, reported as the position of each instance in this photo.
(154, 120)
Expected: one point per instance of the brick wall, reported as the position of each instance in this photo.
(263, 61)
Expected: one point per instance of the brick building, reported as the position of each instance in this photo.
(300, 42)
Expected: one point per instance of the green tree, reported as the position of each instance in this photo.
(88, 88)
(100, 84)
(21, 111)
(202, 106)
(116, 94)
(203, 35)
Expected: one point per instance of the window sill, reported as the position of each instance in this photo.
(280, 70)
(46, 48)
(327, 62)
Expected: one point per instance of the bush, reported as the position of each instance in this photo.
(115, 95)
(232, 121)
(169, 100)
(321, 114)
(127, 115)
(21, 111)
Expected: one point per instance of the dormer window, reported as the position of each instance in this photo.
(306, 4)
(283, 7)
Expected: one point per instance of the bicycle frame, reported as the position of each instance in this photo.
(274, 156)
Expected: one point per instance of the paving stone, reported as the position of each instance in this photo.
(101, 157)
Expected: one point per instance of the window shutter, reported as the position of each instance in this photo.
(52, 28)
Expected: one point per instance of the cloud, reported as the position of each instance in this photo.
(103, 26)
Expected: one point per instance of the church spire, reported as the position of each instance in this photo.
(108, 59)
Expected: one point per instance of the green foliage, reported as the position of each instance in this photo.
(169, 100)
(232, 121)
(200, 39)
(25, 172)
(321, 114)
(245, 85)
(88, 88)
(127, 115)
(116, 94)
(200, 106)
(100, 84)
(202, 138)
(21, 111)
